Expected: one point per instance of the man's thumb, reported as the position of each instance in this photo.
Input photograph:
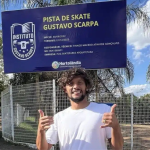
(113, 108)
(41, 113)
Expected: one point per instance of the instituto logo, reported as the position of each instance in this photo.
(23, 42)
(57, 64)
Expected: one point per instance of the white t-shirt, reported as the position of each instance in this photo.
(80, 129)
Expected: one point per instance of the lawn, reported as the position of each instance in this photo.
(26, 131)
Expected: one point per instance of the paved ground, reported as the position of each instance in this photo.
(141, 139)
(0, 123)
(9, 146)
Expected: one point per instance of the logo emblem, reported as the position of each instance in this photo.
(23, 42)
(55, 64)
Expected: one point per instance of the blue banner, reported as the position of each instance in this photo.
(91, 35)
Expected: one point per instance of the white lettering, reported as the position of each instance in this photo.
(23, 36)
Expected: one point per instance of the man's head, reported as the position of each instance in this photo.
(76, 84)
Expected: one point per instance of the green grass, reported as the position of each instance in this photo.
(29, 124)
(32, 119)
(26, 131)
(26, 126)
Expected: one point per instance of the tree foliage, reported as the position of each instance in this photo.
(139, 15)
(3, 78)
(146, 96)
(25, 78)
(148, 74)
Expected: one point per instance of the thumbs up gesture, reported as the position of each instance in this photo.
(44, 121)
(110, 119)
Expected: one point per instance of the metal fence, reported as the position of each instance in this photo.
(20, 115)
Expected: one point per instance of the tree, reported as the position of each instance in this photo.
(25, 78)
(106, 80)
(146, 96)
(148, 74)
(3, 78)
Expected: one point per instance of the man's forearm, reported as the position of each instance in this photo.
(41, 142)
(117, 139)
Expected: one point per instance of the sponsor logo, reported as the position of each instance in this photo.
(57, 64)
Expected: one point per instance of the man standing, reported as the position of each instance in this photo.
(82, 126)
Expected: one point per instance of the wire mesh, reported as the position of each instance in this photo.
(123, 111)
(6, 115)
(141, 127)
(1, 113)
(0, 122)
(27, 99)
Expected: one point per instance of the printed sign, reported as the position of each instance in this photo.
(91, 35)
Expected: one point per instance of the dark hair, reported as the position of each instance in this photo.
(69, 75)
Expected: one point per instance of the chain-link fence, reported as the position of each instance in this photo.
(20, 115)
(6, 114)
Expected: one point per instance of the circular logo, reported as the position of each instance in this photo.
(55, 64)
(23, 42)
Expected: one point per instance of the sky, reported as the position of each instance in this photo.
(138, 51)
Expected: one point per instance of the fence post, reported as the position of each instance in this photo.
(2, 115)
(54, 104)
(12, 115)
(131, 121)
(54, 96)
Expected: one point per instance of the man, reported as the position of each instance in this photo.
(84, 125)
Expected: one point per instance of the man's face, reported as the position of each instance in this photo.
(76, 89)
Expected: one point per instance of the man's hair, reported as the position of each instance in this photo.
(69, 75)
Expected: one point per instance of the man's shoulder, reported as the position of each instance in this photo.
(62, 113)
(102, 107)
(99, 104)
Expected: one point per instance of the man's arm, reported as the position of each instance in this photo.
(110, 120)
(41, 142)
(44, 123)
(116, 140)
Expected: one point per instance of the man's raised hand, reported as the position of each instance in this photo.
(110, 119)
(44, 121)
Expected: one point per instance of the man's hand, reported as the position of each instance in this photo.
(109, 119)
(44, 121)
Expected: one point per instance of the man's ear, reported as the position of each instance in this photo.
(87, 90)
(64, 88)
